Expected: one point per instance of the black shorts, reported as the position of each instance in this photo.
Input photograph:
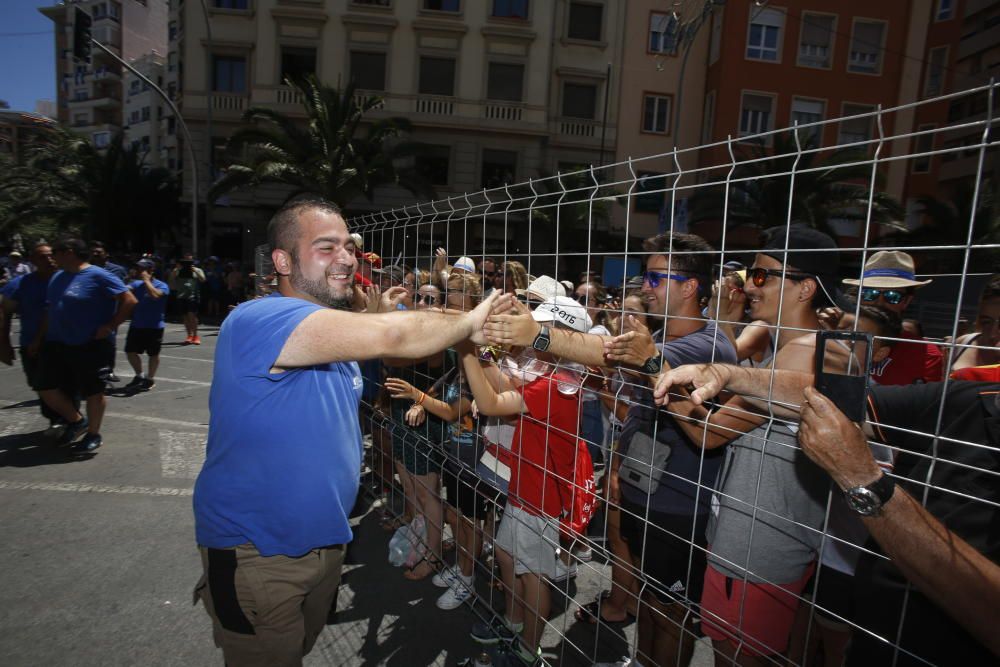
(833, 594)
(467, 493)
(80, 368)
(144, 341)
(32, 368)
(664, 551)
(188, 306)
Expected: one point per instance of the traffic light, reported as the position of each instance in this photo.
(81, 36)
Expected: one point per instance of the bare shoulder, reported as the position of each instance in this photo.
(797, 354)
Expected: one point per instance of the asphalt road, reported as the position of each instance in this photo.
(99, 561)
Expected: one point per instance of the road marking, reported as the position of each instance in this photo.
(27, 420)
(82, 487)
(198, 383)
(181, 454)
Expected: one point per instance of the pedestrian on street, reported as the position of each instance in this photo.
(186, 280)
(283, 461)
(86, 304)
(145, 333)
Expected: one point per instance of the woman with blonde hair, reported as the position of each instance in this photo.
(515, 276)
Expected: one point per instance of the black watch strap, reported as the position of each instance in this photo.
(652, 365)
(542, 340)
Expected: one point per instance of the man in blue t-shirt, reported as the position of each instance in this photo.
(25, 297)
(86, 304)
(283, 461)
(145, 333)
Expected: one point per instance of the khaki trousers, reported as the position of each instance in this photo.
(267, 610)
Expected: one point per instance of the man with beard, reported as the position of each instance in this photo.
(283, 460)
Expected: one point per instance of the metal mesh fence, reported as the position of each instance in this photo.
(710, 520)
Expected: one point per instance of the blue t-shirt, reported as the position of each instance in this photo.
(29, 293)
(80, 303)
(689, 473)
(283, 461)
(149, 312)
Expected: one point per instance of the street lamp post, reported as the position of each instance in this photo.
(187, 140)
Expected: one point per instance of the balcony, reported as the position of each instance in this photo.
(508, 112)
(229, 102)
(573, 127)
(438, 106)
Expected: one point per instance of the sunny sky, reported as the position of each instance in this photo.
(27, 52)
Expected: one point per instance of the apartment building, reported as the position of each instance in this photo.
(18, 130)
(499, 90)
(90, 98)
(144, 110)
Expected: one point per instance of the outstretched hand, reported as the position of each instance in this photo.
(835, 443)
(391, 298)
(440, 261)
(398, 388)
(511, 323)
(704, 380)
(633, 347)
(477, 319)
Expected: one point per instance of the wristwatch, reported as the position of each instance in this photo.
(868, 500)
(542, 340)
(652, 365)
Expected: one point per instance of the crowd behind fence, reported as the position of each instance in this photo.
(710, 518)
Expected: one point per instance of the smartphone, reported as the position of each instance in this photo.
(843, 361)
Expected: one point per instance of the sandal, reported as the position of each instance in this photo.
(590, 612)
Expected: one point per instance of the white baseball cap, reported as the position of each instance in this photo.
(544, 288)
(563, 310)
(464, 264)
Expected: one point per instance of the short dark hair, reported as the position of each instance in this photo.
(281, 233)
(97, 244)
(73, 244)
(688, 253)
(889, 323)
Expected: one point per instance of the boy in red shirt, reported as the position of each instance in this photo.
(544, 449)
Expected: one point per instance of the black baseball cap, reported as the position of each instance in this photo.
(798, 237)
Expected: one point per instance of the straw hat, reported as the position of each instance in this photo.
(888, 269)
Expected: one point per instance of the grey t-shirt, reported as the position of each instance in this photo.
(769, 486)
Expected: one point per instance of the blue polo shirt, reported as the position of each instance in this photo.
(283, 461)
(29, 293)
(80, 303)
(149, 313)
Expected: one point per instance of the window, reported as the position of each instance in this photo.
(956, 108)
(368, 70)
(231, 4)
(80, 119)
(755, 113)
(134, 117)
(808, 111)
(715, 44)
(101, 139)
(172, 61)
(764, 37)
(585, 21)
(816, 40)
(650, 191)
(866, 47)
(442, 5)
(499, 168)
(505, 82)
(510, 9)
(133, 87)
(656, 113)
(857, 129)
(114, 10)
(663, 33)
(579, 100)
(376, 3)
(437, 76)
(937, 59)
(229, 74)
(433, 163)
(708, 118)
(923, 143)
(297, 63)
(145, 113)
(945, 10)
(172, 30)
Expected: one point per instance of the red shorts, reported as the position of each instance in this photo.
(758, 616)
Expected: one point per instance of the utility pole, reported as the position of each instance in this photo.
(187, 139)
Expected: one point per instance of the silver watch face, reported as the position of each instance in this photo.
(863, 501)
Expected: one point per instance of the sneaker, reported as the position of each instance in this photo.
(112, 378)
(189, 340)
(563, 572)
(584, 555)
(147, 384)
(494, 632)
(136, 382)
(196, 340)
(89, 443)
(455, 596)
(54, 430)
(446, 577)
(73, 430)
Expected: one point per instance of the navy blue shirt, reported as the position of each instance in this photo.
(117, 270)
(283, 461)
(690, 474)
(149, 312)
(80, 303)
(29, 293)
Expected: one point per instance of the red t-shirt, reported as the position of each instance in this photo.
(544, 446)
(910, 362)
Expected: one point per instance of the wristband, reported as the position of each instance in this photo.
(420, 401)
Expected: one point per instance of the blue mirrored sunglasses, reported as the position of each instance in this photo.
(653, 278)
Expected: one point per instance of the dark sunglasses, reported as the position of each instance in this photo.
(653, 278)
(489, 274)
(891, 296)
(758, 276)
(429, 299)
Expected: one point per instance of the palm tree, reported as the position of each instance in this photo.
(835, 187)
(337, 153)
(67, 183)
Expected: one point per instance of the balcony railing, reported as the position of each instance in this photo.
(503, 112)
(229, 102)
(291, 96)
(439, 106)
(574, 127)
